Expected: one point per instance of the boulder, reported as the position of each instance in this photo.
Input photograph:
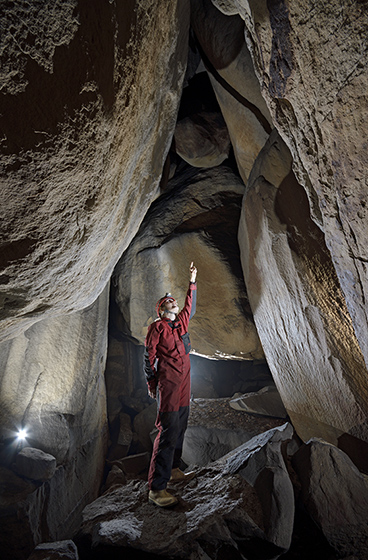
(230, 67)
(266, 402)
(135, 464)
(335, 495)
(89, 92)
(116, 477)
(134, 405)
(299, 309)
(203, 445)
(35, 464)
(137, 447)
(60, 550)
(202, 139)
(214, 429)
(121, 435)
(124, 521)
(260, 462)
(125, 431)
(219, 512)
(183, 226)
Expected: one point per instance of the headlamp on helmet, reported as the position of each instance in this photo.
(162, 301)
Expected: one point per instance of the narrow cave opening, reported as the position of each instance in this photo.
(195, 218)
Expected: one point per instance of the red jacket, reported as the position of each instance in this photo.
(168, 342)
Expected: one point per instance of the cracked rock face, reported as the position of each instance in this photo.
(230, 67)
(85, 88)
(89, 104)
(299, 309)
(202, 139)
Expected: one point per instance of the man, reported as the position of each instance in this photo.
(167, 367)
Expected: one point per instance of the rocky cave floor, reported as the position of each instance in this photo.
(307, 541)
(259, 492)
(223, 512)
(270, 497)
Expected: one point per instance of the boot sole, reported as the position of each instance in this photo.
(163, 505)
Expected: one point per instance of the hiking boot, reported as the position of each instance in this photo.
(162, 498)
(179, 476)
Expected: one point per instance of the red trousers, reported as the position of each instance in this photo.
(172, 420)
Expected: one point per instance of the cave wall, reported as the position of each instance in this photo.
(220, 40)
(303, 220)
(311, 62)
(299, 307)
(90, 94)
(52, 384)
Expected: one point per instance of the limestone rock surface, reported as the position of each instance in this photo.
(185, 225)
(123, 373)
(13, 487)
(304, 325)
(260, 462)
(121, 435)
(90, 93)
(335, 494)
(116, 477)
(202, 139)
(52, 383)
(312, 64)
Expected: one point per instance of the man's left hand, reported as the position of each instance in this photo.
(152, 387)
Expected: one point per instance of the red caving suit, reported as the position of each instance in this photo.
(168, 342)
